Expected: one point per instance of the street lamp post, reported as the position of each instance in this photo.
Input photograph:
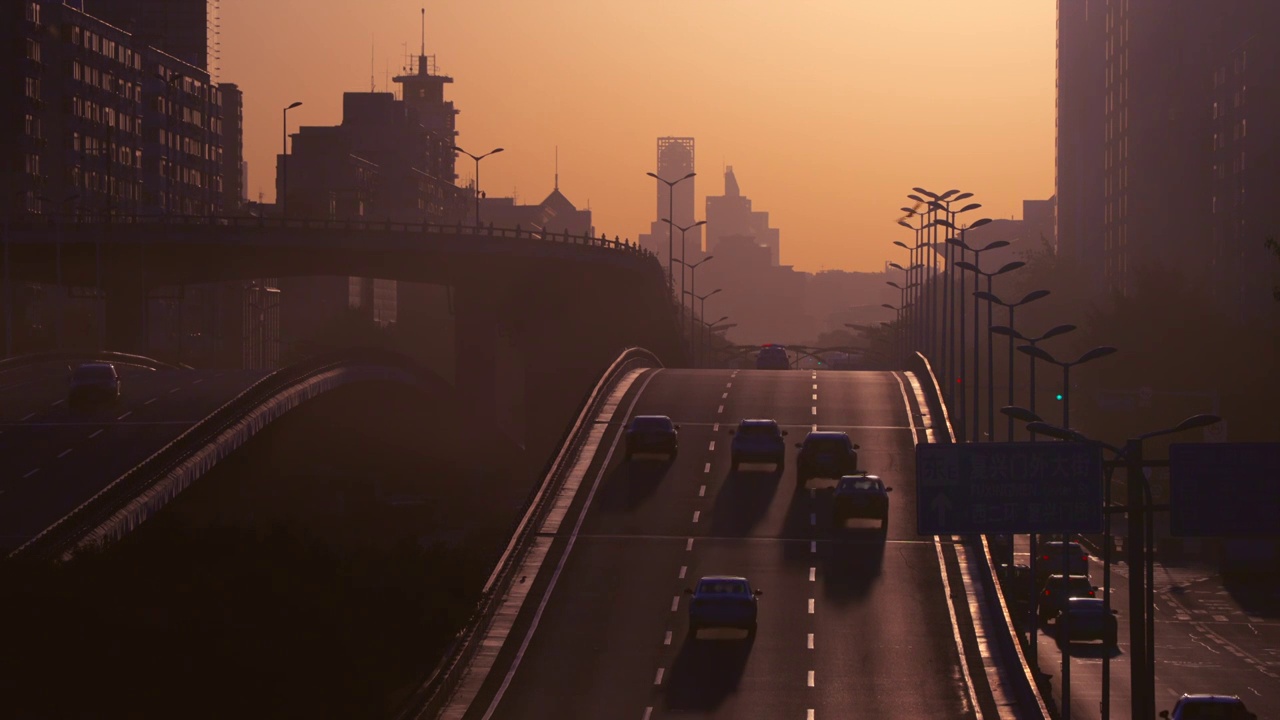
(902, 307)
(284, 162)
(946, 251)
(684, 265)
(991, 366)
(477, 158)
(671, 233)
(693, 284)
(1042, 354)
(1013, 334)
(702, 310)
(715, 327)
(962, 411)
(1141, 563)
(992, 299)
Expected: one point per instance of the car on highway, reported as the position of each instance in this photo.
(1058, 590)
(827, 454)
(757, 440)
(860, 496)
(773, 357)
(1209, 707)
(1049, 559)
(723, 601)
(93, 383)
(1088, 618)
(652, 434)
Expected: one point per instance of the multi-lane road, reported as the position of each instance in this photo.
(53, 459)
(850, 625)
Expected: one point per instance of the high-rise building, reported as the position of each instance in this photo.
(185, 29)
(234, 175)
(675, 161)
(1081, 130)
(730, 215)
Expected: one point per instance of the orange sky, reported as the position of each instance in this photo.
(829, 110)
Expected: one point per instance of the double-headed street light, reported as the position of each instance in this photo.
(1013, 334)
(1028, 298)
(991, 366)
(284, 161)
(944, 248)
(1042, 354)
(702, 305)
(960, 332)
(477, 158)
(683, 245)
(671, 233)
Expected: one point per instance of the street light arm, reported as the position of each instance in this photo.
(1038, 353)
(1055, 332)
(1195, 421)
(990, 297)
(1033, 296)
(1021, 413)
(1094, 354)
(966, 265)
(1009, 267)
(1007, 331)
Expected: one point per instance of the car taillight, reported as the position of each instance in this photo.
(1085, 558)
(1046, 593)
(1045, 558)
(1091, 593)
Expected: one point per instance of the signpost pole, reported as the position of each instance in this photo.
(1135, 551)
(1064, 630)
(1106, 589)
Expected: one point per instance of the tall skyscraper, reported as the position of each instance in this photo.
(675, 160)
(1081, 131)
(185, 29)
(234, 175)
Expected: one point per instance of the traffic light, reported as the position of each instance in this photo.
(1059, 396)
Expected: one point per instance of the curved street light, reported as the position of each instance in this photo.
(991, 368)
(1042, 354)
(671, 212)
(1013, 334)
(284, 160)
(1028, 298)
(683, 265)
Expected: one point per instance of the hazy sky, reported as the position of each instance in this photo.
(828, 110)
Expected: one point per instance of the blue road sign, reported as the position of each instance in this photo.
(1224, 489)
(1018, 487)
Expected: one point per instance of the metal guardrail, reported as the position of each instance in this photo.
(435, 692)
(1028, 690)
(46, 222)
(63, 536)
(51, 356)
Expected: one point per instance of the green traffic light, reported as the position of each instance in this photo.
(1059, 396)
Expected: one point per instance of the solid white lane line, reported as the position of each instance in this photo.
(813, 574)
(815, 409)
(810, 606)
(697, 514)
(712, 446)
(64, 453)
(683, 569)
(95, 434)
(720, 409)
(688, 546)
(810, 641)
(150, 401)
(28, 417)
(813, 546)
(706, 468)
(666, 640)
(125, 415)
(810, 678)
(657, 679)
(702, 491)
(675, 603)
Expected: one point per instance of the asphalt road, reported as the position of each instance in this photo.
(52, 459)
(1207, 641)
(849, 626)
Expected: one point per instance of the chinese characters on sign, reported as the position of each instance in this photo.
(1053, 487)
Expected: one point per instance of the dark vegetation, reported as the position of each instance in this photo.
(319, 572)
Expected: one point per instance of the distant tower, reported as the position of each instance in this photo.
(675, 160)
(422, 90)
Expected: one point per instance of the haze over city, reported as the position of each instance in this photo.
(826, 109)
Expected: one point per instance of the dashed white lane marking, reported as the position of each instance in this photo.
(197, 382)
(675, 603)
(715, 427)
(813, 574)
(702, 491)
(809, 714)
(724, 396)
(683, 569)
(815, 409)
(174, 390)
(712, 446)
(814, 427)
(810, 606)
(728, 384)
(815, 396)
(95, 434)
(720, 409)
(55, 403)
(688, 545)
(64, 453)
(813, 546)
(150, 401)
(697, 514)
(648, 713)
(810, 641)
(813, 493)
(666, 639)
(815, 386)
(706, 468)
(810, 678)
(657, 678)
(33, 472)
(125, 415)
(28, 417)
(813, 518)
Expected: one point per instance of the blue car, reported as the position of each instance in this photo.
(652, 434)
(757, 441)
(722, 601)
(773, 357)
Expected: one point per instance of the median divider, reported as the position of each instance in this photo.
(434, 693)
(1030, 701)
(139, 493)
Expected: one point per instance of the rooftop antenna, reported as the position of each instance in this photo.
(424, 33)
(557, 186)
(373, 84)
(386, 75)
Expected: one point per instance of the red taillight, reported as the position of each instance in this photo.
(1091, 594)
(1046, 593)
(1084, 558)
(1045, 558)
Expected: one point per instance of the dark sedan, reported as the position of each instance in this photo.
(652, 434)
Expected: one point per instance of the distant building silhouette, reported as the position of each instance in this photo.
(730, 215)
(675, 160)
(554, 214)
(185, 29)
(1079, 177)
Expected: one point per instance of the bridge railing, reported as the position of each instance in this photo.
(236, 222)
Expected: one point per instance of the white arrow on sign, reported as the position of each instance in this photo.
(942, 505)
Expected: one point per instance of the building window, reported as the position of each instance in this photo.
(33, 50)
(33, 88)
